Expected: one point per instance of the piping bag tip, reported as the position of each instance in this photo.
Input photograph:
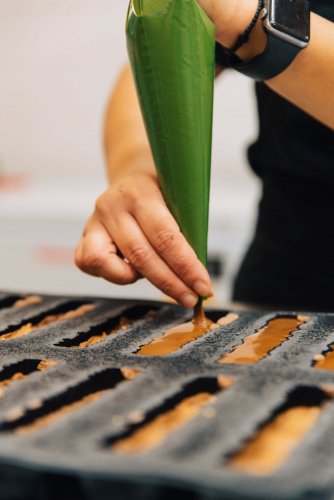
(198, 309)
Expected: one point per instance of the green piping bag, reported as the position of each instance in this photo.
(171, 50)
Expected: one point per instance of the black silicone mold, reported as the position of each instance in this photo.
(96, 404)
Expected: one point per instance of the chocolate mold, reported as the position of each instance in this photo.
(79, 408)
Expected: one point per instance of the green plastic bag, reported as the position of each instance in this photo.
(171, 50)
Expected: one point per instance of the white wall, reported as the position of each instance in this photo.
(58, 61)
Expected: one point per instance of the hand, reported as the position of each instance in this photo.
(231, 17)
(132, 234)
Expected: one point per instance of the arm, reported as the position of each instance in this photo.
(131, 219)
(125, 142)
(309, 81)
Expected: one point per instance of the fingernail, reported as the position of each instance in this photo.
(201, 288)
(189, 300)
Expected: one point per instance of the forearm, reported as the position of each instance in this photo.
(125, 139)
(309, 81)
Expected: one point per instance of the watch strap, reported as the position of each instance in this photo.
(221, 57)
(277, 56)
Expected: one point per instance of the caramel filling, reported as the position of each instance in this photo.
(28, 301)
(225, 381)
(45, 364)
(52, 318)
(93, 340)
(130, 373)
(156, 432)
(325, 361)
(180, 335)
(258, 345)
(267, 451)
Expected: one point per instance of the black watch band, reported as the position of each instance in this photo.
(277, 56)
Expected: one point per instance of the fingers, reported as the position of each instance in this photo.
(136, 248)
(97, 255)
(132, 217)
(163, 233)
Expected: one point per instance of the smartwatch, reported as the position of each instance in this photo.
(287, 25)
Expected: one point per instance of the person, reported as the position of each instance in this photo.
(290, 262)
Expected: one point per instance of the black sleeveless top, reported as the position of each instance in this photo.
(290, 262)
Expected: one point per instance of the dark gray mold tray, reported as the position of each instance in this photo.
(59, 425)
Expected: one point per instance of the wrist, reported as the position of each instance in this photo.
(228, 30)
(139, 163)
(256, 44)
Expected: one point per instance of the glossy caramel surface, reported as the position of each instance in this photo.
(258, 345)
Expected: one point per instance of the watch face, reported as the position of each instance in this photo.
(291, 17)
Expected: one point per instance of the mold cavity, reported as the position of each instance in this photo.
(151, 430)
(51, 410)
(112, 326)
(69, 310)
(173, 339)
(9, 301)
(275, 440)
(325, 360)
(20, 370)
(259, 344)
(20, 301)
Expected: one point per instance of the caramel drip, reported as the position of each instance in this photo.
(271, 447)
(180, 335)
(28, 301)
(325, 361)
(52, 417)
(123, 325)
(156, 432)
(258, 345)
(52, 318)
